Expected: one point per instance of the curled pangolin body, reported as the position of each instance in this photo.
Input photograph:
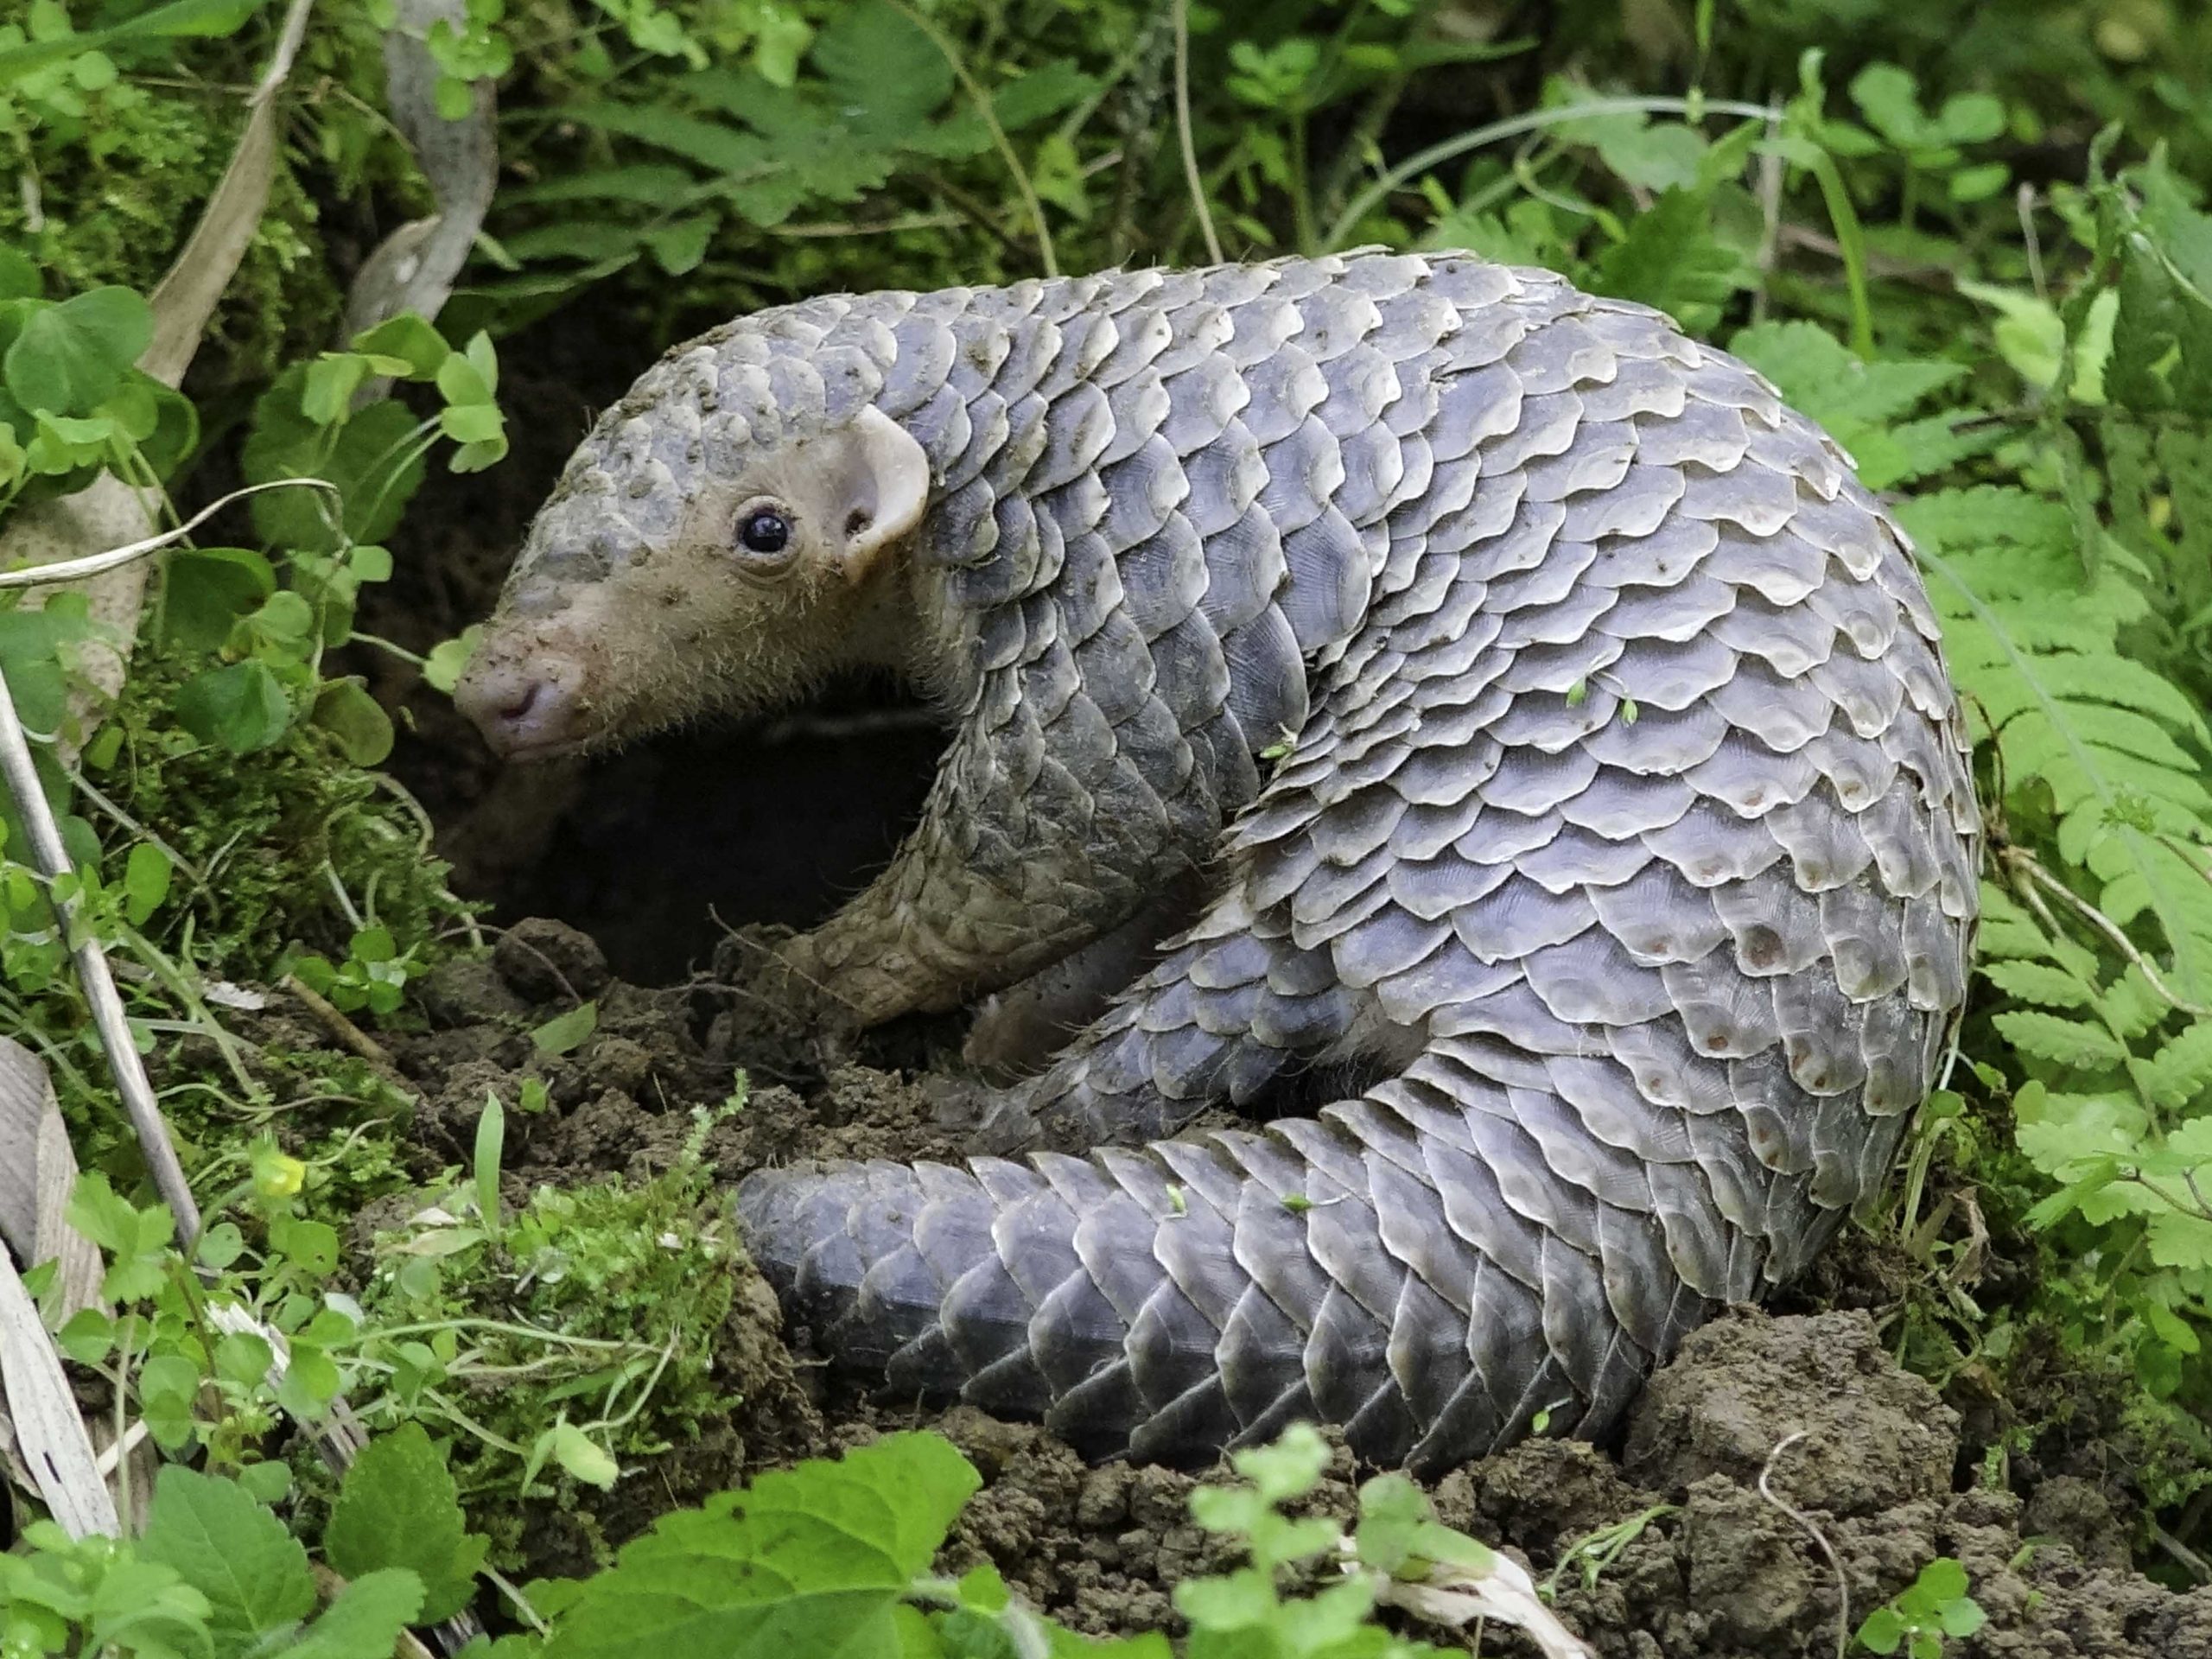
(1565, 733)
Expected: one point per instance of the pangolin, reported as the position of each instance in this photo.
(1559, 735)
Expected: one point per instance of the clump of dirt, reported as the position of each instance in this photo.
(1776, 1482)
(1699, 1561)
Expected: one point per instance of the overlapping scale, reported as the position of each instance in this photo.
(1587, 769)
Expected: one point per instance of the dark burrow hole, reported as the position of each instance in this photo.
(669, 844)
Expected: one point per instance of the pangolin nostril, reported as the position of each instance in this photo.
(516, 708)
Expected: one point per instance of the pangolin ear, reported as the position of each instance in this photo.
(889, 489)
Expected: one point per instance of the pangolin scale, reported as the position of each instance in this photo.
(1562, 734)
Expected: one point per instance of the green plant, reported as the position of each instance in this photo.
(1933, 1608)
(217, 1573)
(73, 404)
(838, 1554)
(373, 975)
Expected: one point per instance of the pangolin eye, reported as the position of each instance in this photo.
(765, 532)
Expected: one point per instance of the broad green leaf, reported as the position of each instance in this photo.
(809, 1561)
(145, 881)
(19, 277)
(398, 1507)
(365, 1619)
(345, 710)
(206, 590)
(564, 1033)
(244, 1357)
(332, 380)
(878, 61)
(234, 1552)
(461, 382)
(582, 1457)
(678, 247)
(410, 339)
(68, 359)
(449, 659)
(1883, 1632)
(241, 708)
(1671, 259)
(372, 459)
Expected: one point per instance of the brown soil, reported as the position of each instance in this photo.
(1867, 1475)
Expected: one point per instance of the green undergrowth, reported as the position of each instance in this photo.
(576, 1335)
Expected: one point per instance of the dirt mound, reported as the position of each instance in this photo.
(1777, 1482)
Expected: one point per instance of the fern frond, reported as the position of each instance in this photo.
(2074, 1044)
(2032, 641)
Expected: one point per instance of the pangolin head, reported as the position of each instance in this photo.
(728, 533)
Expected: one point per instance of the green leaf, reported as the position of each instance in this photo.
(2162, 336)
(1942, 1580)
(449, 659)
(332, 380)
(345, 710)
(582, 1456)
(19, 277)
(400, 1508)
(1883, 1631)
(1671, 259)
(206, 590)
(364, 1621)
(1889, 97)
(267, 1482)
(472, 423)
(369, 458)
(678, 248)
(566, 1032)
(231, 1550)
(69, 358)
(714, 145)
(1963, 1619)
(491, 1146)
(810, 1561)
(242, 708)
(646, 185)
(244, 1357)
(2067, 1042)
(145, 881)
(410, 339)
(1286, 1469)
(462, 382)
(2030, 334)
(877, 60)
(2180, 1072)
(310, 1245)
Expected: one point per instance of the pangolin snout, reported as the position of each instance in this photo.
(526, 707)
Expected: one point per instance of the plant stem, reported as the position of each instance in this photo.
(981, 100)
(1183, 131)
(1534, 120)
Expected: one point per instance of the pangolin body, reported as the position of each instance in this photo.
(1563, 734)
